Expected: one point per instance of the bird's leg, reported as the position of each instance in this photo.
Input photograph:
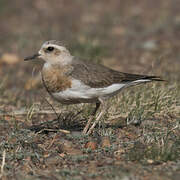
(104, 107)
(91, 118)
(96, 108)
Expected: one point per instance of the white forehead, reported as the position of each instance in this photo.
(47, 44)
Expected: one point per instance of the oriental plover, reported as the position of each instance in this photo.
(71, 80)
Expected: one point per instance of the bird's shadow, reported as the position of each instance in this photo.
(67, 121)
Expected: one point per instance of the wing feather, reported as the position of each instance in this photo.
(99, 76)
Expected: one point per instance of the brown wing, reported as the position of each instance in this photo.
(99, 76)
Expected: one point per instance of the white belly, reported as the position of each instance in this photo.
(79, 92)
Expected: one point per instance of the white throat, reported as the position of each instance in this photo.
(62, 60)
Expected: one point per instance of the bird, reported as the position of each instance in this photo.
(73, 80)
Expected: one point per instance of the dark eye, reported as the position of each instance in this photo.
(50, 48)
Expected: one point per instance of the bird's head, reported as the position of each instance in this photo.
(52, 52)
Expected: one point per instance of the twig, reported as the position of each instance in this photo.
(52, 142)
(16, 113)
(58, 130)
(3, 163)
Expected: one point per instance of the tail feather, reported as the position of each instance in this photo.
(141, 78)
(144, 79)
(153, 78)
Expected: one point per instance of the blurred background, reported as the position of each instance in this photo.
(139, 36)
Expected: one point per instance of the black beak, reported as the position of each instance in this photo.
(31, 57)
